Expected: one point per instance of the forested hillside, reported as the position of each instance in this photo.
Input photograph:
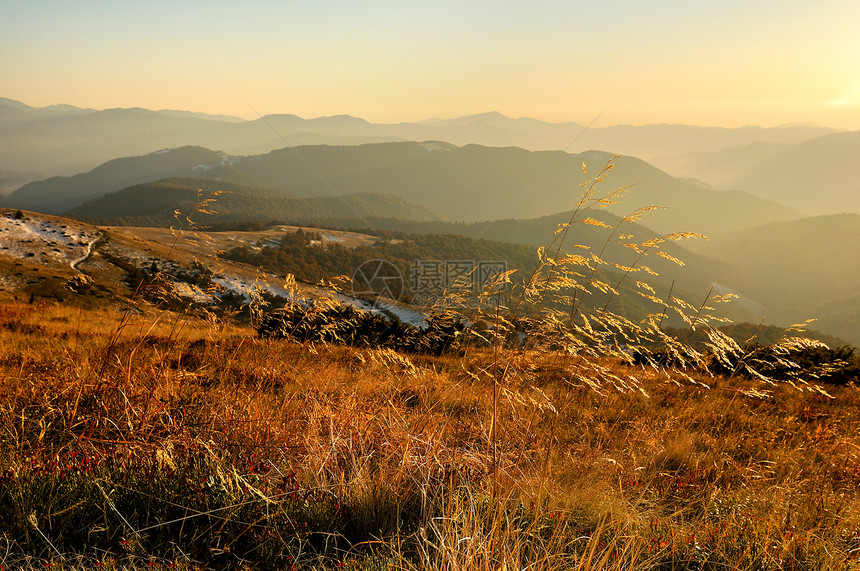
(208, 201)
(468, 184)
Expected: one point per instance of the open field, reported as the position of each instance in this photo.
(152, 440)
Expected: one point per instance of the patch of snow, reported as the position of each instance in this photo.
(409, 316)
(32, 236)
(406, 314)
(228, 161)
(8, 282)
(202, 168)
(248, 289)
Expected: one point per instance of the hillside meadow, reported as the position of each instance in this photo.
(145, 439)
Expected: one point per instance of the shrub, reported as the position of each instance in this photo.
(318, 322)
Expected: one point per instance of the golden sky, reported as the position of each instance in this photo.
(726, 63)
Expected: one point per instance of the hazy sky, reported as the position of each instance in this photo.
(725, 62)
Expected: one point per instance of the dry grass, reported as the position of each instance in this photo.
(143, 438)
(269, 454)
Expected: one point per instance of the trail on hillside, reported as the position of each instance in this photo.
(90, 248)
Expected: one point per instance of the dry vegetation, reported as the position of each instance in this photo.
(156, 440)
(152, 439)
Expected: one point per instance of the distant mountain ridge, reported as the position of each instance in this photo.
(719, 168)
(468, 184)
(800, 269)
(12, 180)
(66, 140)
(820, 176)
(58, 194)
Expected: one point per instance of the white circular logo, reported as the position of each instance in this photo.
(379, 279)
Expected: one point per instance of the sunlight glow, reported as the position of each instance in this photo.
(731, 64)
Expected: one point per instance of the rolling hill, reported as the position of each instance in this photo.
(719, 168)
(468, 184)
(155, 204)
(821, 176)
(799, 270)
(12, 180)
(692, 281)
(697, 274)
(58, 194)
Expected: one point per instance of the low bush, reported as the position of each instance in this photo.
(345, 325)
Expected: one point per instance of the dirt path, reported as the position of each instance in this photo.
(90, 248)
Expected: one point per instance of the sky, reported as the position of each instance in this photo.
(728, 63)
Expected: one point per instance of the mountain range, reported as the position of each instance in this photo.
(64, 140)
(468, 184)
(820, 176)
(800, 269)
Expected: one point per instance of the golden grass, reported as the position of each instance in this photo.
(392, 457)
(137, 438)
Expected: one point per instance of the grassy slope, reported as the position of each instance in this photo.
(270, 454)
